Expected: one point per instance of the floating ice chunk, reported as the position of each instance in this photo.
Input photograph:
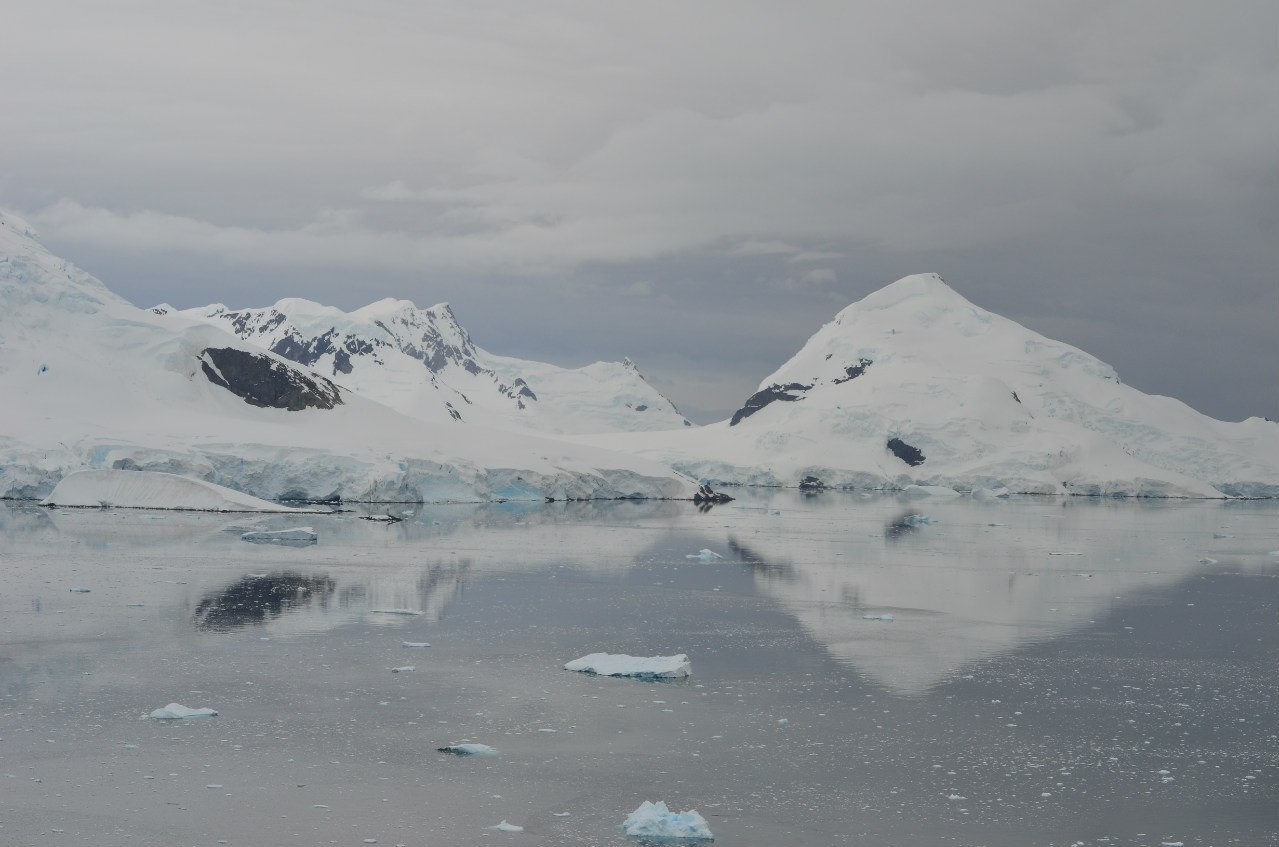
(654, 820)
(299, 536)
(395, 611)
(78, 590)
(987, 493)
(414, 644)
(1207, 561)
(560, 814)
(704, 555)
(404, 669)
(177, 712)
(641, 667)
(507, 827)
(913, 491)
(469, 749)
(878, 617)
(917, 520)
(1172, 844)
(957, 797)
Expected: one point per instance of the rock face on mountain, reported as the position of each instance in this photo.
(915, 385)
(423, 363)
(89, 381)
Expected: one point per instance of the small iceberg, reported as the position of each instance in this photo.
(507, 827)
(878, 617)
(918, 491)
(704, 555)
(404, 669)
(298, 537)
(639, 667)
(655, 820)
(414, 644)
(468, 749)
(917, 520)
(178, 712)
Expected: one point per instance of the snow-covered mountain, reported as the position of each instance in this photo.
(89, 381)
(424, 363)
(916, 385)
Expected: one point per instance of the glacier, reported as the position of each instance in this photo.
(108, 386)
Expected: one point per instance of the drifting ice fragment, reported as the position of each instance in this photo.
(469, 749)
(414, 644)
(878, 617)
(404, 669)
(646, 667)
(1207, 561)
(300, 536)
(507, 827)
(177, 712)
(654, 820)
(917, 520)
(704, 555)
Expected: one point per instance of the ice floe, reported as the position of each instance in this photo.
(640, 667)
(507, 827)
(655, 820)
(468, 749)
(704, 555)
(299, 536)
(414, 644)
(177, 712)
(404, 669)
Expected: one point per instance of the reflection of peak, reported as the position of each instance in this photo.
(256, 599)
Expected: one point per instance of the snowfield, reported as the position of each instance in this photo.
(94, 383)
(915, 386)
(153, 490)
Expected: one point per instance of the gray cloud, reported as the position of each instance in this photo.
(703, 185)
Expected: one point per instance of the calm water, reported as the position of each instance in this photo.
(1055, 672)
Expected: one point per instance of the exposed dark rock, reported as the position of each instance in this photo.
(910, 455)
(705, 495)
(811, 485)
(854, 371)
(1015, 397)
(642, 407)
(262, 381)
(453, 413)
(786, 393)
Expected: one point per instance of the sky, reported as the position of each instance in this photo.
(698, 186)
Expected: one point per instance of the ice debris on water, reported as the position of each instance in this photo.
(878, 617)
(640, 667)
(1207, 561)
(404, 669)
(468, 749)
(704, 555)
(507, 827)
(917, 520)
(655, 820)
(414, 644)
(300, 536)
(177, 712)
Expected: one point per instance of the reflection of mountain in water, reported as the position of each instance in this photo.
(256, 599)
(965, 588)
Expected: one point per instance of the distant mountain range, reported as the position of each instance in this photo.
(912, 388)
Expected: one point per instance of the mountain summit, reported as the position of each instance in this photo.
(915, 385)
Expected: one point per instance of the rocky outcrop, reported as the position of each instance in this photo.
(262, 381)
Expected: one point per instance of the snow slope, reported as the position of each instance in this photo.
(424, 363)
(92, 382)
(153, 490)
(916, 385)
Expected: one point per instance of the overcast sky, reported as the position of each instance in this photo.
(696, 185)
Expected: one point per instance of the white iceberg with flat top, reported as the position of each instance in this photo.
(298, 535)
(153, 490)
(469, 749)
(655, 820)
(640, 667)
(178, 712)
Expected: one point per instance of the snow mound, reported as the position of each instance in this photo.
(619, 664)
(178, 712)
(655, 820)
(153, 490)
